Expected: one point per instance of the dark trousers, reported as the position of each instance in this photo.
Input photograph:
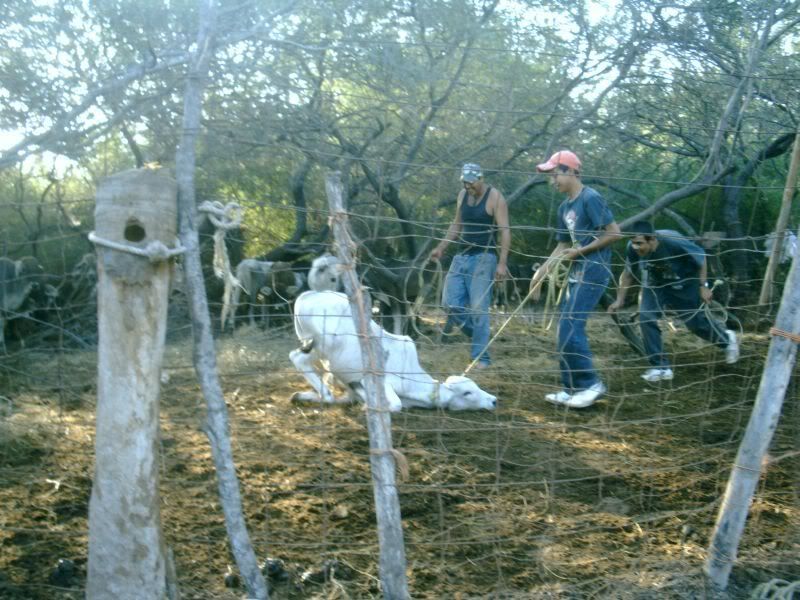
(687, 305)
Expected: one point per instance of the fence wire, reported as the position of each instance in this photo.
(530, 500)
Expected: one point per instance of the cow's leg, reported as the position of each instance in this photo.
(237, 295)
(266, 315)
(304, 363)
(357, 392)
(397, 318)
(416, 395)
(251, 309)
(395, 404)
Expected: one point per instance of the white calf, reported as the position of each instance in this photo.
(265, 278)
(324, 274)
(324, 324)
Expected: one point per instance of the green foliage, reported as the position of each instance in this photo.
(396, 95)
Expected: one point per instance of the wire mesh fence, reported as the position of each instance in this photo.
(529, 500)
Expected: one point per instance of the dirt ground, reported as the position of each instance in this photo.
(531, 501)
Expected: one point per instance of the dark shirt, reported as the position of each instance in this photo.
(583, 220)
(477, 226)
(675, 263)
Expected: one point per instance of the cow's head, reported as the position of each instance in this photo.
(461, 393)
(325, 273)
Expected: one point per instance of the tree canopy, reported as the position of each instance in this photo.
(686, 110)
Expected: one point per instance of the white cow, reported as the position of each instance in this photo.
(324, 324)
(268, 279)
(788, 249)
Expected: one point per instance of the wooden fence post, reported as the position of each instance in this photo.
(758, 435)
(783, 220)
(126, 549)
(379, 423)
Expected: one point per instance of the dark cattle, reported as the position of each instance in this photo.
(396, 285)
(19, 279)
(510, 293)
(79, 286)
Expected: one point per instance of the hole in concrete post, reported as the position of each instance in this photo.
(134, 231)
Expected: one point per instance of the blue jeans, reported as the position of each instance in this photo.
(687, 304)
(574, 355)
(466, 297)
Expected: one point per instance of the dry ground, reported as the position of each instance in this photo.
(533, 501)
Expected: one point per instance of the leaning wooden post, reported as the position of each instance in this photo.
(758, 435)
(783, 221)
(205, 359)
(379, 423)
(126, 549)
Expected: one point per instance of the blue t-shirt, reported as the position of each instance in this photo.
(583, 220)
(675, 263)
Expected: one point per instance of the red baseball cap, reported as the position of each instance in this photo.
(562, 157)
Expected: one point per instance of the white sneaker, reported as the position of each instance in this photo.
(586, 397)
(732, 349)
(558, 398)
(657, 374)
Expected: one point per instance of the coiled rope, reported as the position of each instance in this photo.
(437, 284)
(776, 589)
(557, 280)
(223, 217)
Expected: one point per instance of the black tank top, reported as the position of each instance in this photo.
(477, 226)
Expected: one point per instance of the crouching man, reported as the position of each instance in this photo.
(672, 272)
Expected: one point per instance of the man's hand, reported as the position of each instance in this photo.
(436, 253)
(571, 254)
(501, 272)
(706, 294)
(615, 305)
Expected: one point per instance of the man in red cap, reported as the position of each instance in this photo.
(586, 229)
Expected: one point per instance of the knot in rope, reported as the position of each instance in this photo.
(222, 216)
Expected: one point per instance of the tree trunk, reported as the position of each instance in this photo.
(758, 435)
(379, 423)
(205, 360)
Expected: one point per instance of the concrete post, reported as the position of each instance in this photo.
(126, 549)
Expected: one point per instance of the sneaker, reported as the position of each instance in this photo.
(586, 397)
(481, 366)
(657, 374)
(558, 397)
(732, 349)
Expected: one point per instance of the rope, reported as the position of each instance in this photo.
(786, 334)
(714, 311)
(436, 283)
(557, 279)
(776, 589)
(558, 276)
(499, 331)
(400, 461)
(155, 251)
(223, 217)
